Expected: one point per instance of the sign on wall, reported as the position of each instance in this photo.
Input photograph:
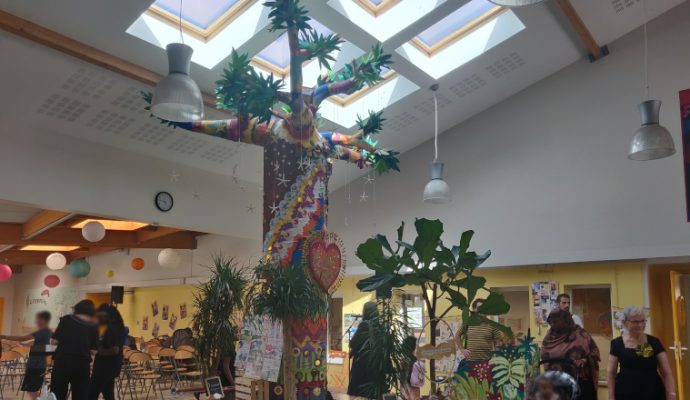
(544, 296)
(57, 301)
(685, 130)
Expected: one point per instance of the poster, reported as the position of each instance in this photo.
(58, 301)
(154, 308)
(156, 329)
(145, 323)
(544, 296)
(164, 316)
(173, 321)
(685, 134)
(261, 348)
(415, 317)
(183, 310)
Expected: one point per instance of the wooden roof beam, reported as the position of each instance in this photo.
(11, 233)
(595, 51)
(43, 221)
(154, 232)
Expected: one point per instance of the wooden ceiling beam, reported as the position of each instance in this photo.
(34, 32)
(42, 221)
(11, 233)
(595, 51)
(154, 232)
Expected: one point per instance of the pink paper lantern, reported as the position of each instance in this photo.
(5, 272)
(51, 281)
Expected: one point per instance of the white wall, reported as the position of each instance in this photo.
(543, 177)
(192, 269)
(7, 292)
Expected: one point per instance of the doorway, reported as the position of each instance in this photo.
(680, 292)
(518, 316)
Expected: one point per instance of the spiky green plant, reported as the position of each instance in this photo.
(217, 304)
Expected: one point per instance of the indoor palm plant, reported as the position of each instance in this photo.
(217, 304)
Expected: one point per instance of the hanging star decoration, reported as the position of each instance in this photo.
(304, 164)
(368, 179)
(195, 196)
(250, 208)
(174, 176)
(274, 208)
(363, 198)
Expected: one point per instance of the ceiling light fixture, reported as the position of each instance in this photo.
(516, 3)
(652, 141)
(436, 190)
(177, 97)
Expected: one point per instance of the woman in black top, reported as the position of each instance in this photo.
(108, 360)
(360, 378)
(76, 337)
(641, 358)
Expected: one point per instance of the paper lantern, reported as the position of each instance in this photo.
(168, 258)
(94, 231)
(5, 272)
(138, 264)
(51, 281)
(79, 268)
(56, 261)
(110, 273)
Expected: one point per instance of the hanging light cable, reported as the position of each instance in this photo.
(436, 190)
(177, 97)
(652, 141)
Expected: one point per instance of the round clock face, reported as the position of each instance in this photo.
(164, 201)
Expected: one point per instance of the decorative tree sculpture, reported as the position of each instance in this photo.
(298, 158)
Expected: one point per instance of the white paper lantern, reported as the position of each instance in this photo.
(56, 261)
(94, 231)
(168, 258)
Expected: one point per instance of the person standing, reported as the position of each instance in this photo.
(36, 366)
(76, 337)
(360, 379)
(569, 348)
(641, 358)
(479, 341)
(563, 301)
(108, 360)
(413, 371)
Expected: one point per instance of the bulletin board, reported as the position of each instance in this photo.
(544, 296)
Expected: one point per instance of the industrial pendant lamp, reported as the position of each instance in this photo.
(516, 3)
(436, 190)
(652, 141)
(177, 97)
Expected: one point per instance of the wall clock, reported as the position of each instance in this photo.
(164, 201)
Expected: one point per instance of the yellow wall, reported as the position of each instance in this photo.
(626, 280)
(137, 305)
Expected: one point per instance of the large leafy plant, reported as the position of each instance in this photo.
(217, 304)
(440, 272)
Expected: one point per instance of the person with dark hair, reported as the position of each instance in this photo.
(36, 366)
(108, 360)
(569, 348)
(76, 337)
(360, 378)
(563, 302)
(477, 342)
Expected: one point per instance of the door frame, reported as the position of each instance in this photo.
(678, 310)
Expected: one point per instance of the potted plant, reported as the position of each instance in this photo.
(440, 272)
(217, 304)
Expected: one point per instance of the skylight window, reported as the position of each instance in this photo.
(200, 18)
(377, 7)
(276, 56)
(451, 28)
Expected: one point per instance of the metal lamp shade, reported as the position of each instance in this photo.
(516, 3)
(652, 141)
(177, 97)
(436, 190)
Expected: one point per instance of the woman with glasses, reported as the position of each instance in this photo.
(645, 373)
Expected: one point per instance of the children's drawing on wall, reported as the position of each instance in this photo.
(154, 308)
(164, 316)
(183, 310)
(544, 300)
(145, 323)
(156, 329)
(173, 320)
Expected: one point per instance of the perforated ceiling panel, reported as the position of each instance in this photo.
(62, 107)
(505, 65)
(467, 85)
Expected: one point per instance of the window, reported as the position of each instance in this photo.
(593, 305)
(377, 7)
(335, 323)
(518, 318)
(413, 310)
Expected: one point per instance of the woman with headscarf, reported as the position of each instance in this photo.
(108, 360)
(360, 378)
(569, 348)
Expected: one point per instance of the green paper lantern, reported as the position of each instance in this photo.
(79, 268)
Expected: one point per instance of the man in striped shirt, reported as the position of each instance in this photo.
(480, 340)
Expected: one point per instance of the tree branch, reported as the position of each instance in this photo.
(296, 59)
(241, 129)
(331, 89)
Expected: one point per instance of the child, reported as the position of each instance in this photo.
(36, 366)
(414, 380)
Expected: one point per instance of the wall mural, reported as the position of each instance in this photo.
(298, 161)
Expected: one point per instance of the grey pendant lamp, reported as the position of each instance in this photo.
(516, 3)
(177, 97)
(652, 141)
(436, 190)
